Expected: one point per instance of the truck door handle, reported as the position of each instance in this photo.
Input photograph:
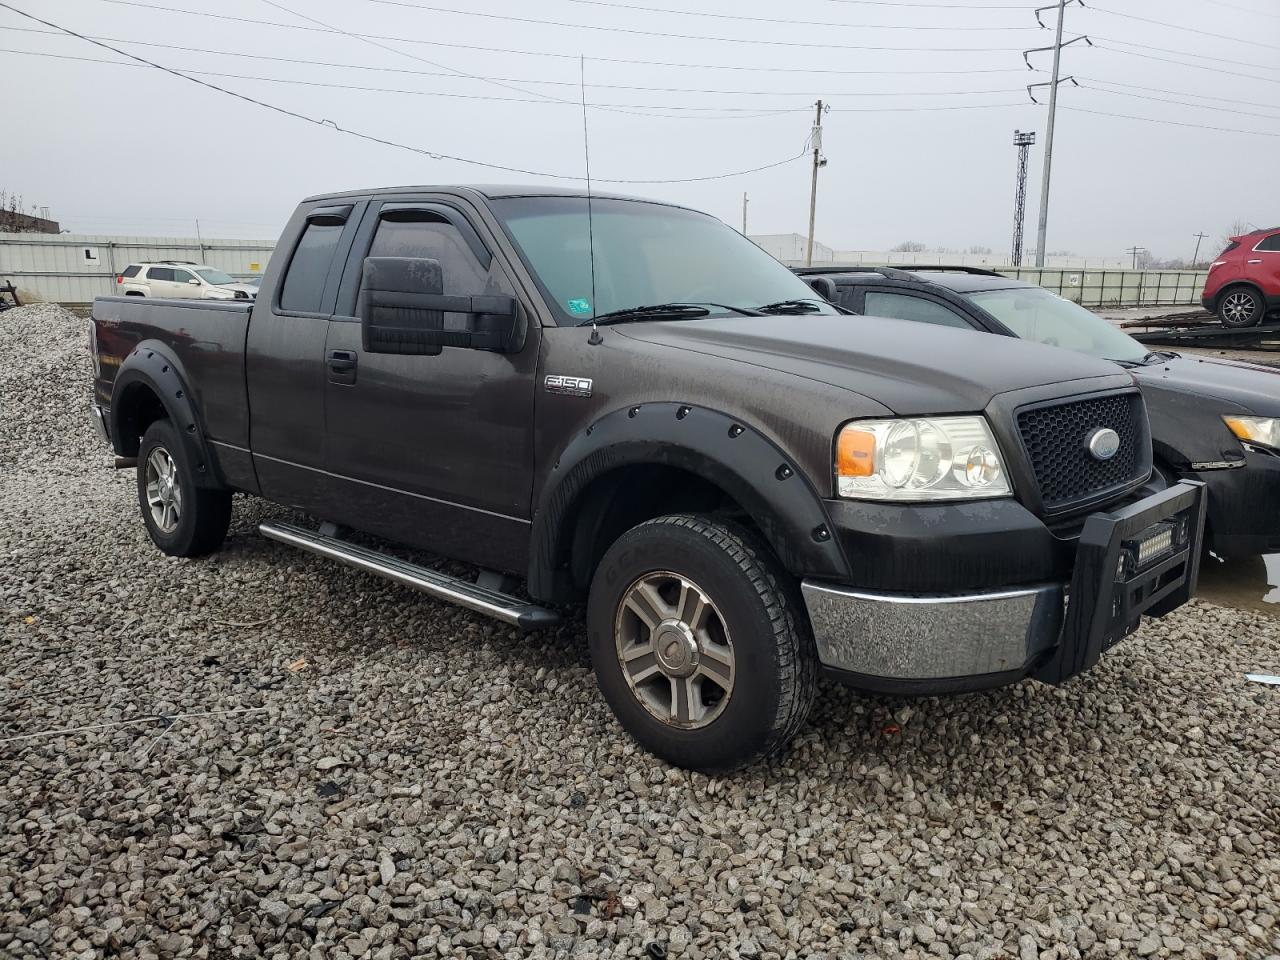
(342, 361)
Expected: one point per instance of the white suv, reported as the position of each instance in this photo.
(181, 278)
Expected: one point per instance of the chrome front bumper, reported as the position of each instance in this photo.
(1140, 559)
(906, 638)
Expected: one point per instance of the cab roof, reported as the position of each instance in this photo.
(489, 191)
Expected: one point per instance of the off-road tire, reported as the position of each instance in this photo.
(776, 665)
(1239, 307)
(205, 514)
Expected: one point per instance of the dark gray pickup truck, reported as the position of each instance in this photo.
(628, 402)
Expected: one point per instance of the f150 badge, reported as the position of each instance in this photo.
(569, 386)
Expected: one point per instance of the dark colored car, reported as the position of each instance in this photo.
(1243, 284)
(595, 397)
(1212, 420)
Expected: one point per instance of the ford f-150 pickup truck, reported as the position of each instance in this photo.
(595, 395)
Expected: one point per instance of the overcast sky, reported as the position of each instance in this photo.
(127, 149)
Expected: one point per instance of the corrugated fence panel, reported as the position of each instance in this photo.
(75, 268)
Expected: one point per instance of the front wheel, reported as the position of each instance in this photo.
(1240, 307)
(698, 643)
(183, 520)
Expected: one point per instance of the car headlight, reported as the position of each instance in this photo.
(1263, 431)
(914, 459)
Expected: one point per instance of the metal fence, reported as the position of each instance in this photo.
(1117, 288)
(73, 269)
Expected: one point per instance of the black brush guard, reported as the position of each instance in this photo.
(1110, 590)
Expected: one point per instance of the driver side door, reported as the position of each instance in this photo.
(432, 450)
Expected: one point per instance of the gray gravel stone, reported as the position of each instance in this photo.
(433, 784)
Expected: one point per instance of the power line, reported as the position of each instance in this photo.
(739, 112)
(1181, 93)
(751, 111)
(935, 6)
(600, 86)
(1232, 6)
(1182, 103)
(1195, 66)
(788, 21)
(1189, 53)
(435, 155)
(405, 53)
(494, 50)
(1174, 123)
(1176, 26)
(510, 18)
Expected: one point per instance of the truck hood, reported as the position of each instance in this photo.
(1249, 385)
(911, 368)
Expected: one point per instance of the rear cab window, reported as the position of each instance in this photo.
(306, 276)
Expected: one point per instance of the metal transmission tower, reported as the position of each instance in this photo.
(1061, 7)
(1023, 142)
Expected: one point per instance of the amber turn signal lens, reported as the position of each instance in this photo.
(855, 453)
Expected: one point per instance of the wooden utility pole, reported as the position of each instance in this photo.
(744, 213)
(818, 161)
(1195, 258)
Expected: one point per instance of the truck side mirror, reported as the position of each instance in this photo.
(402, 310)
(824, 287)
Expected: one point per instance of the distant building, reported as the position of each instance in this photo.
(11, 221)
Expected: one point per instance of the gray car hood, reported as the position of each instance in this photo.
(1254, 387)
(911, 368)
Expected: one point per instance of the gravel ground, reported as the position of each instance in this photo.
(430, 783)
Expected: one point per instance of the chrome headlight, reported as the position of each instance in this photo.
(1262, 431)
(919, 458)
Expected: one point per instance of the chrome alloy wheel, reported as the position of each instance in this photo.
(1238, 307)
(164, 494)
(674, 649)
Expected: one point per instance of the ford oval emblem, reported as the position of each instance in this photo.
(1103, 443)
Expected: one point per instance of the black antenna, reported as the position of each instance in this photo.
(595, 337)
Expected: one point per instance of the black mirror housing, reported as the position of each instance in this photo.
(824, 287)
(402, 309)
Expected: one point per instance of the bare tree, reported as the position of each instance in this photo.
(1235, 228)
(909, 246)
(978, 250)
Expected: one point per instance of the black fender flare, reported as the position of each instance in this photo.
(720, 448)
(152, 365)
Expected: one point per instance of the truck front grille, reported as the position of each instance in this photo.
(1057, 443)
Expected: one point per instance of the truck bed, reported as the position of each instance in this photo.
(203, 339)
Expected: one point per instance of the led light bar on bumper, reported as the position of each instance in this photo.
(915, 459)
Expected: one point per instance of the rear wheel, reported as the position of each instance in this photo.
(183, 520)
(698, 643)
(1240, 307)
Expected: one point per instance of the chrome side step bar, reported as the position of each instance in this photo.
(508, 609)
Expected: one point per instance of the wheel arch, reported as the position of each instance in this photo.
(150, 385)
(628, 467)
(1251, 285)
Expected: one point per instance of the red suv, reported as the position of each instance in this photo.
(1244, 282)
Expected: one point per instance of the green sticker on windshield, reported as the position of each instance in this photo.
(579, 306)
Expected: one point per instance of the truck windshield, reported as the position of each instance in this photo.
(645, 253)
(1036, 314)
(216, 277)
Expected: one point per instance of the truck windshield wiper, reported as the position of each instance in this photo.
(804, 305)
(681, 311)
